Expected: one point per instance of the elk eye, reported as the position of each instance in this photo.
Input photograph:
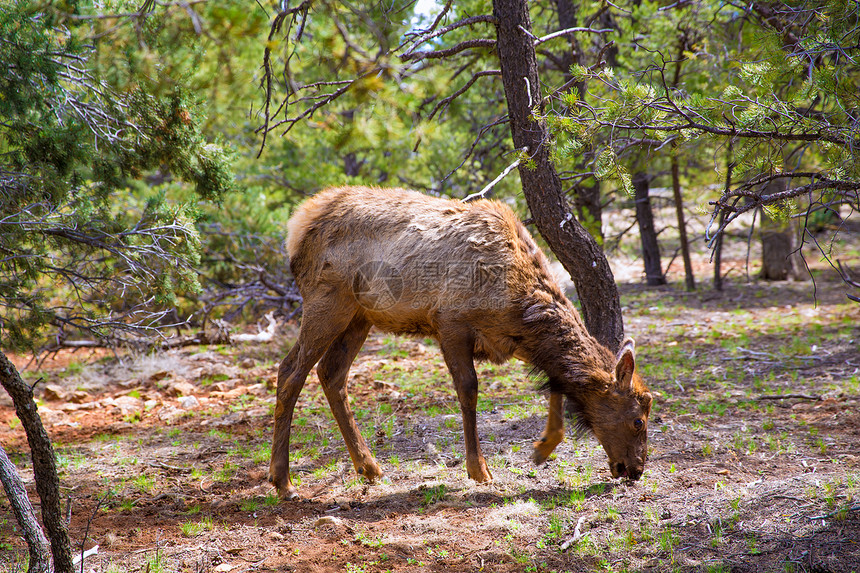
(638, 423)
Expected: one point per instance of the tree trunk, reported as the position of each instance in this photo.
(689, 279)
(645, 217)
(776, 243)
(718, 245)
(718, 255)
(44, 464)
(776, 247)
(40, 550)
(575, 248)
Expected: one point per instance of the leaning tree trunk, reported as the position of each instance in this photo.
(645, 218)
(40, 550)
(44, 464)
(575, 248)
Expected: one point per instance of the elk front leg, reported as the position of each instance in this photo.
(332, 371)
(553, 434)
(458, 353)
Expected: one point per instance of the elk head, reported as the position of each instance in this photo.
(616, 410)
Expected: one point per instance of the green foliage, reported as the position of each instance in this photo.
(699, 80)
(84, 243)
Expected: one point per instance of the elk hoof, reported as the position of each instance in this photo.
(480, 474)
(545, 446)
(371, 472)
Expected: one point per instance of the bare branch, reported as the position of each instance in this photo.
(480, 194)
(569, 31)
(445, 102)
(423, 38)
(438, 54)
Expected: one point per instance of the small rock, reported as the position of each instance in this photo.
(50, 416)
(160, 375)
(247, 363)
(231, 394)
(225, 386)
(54, 392)
(258, 389)
(180, 388)
(343, 503)
(216, 370)
(327, 520)
(188, 402)
(223, 568)
(128, 404)
(78, 397)
(169, 414)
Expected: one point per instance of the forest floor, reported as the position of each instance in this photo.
(754, 460)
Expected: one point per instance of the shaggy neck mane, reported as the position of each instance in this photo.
(572, 361)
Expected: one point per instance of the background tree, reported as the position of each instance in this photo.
(85, 246)
(791, 94)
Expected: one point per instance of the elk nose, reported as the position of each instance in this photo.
(634, 473)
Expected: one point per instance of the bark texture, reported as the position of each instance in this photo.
(575, 248)
(40, 550)
(44, 464)
(645, 217)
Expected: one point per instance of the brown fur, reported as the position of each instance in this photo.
(468, 275)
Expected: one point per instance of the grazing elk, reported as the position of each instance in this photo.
(471, 277)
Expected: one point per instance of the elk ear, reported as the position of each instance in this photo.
(626, 363)
(646, 400)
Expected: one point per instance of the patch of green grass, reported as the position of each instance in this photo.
(374, 542)
(434, 494)
(190, 528)
(250, 504)
(262, 454)
(144, 483)
(226, 473)
(326, 470)
(209, 380)
(155, 562)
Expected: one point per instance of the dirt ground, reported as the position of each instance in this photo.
(754, 460)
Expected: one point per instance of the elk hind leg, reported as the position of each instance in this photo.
(332, 371)
(320, 326)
